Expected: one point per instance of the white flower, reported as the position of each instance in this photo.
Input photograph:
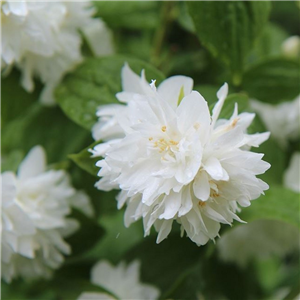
(177, 162)
(260, 239)
(282, 119)
(291, 176)
(291, 47)
(123, 282)
(42, 39)
(35, 205)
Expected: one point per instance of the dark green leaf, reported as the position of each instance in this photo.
(273, 80)
(118, 235)
(95, 83)
(14, 99)
(89, 233)
(128, 14)
(228, 29)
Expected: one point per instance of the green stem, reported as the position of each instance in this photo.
(166, 17)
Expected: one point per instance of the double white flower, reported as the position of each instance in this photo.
(42, 39)
(172, 160)
(35, 205)
(122, 281)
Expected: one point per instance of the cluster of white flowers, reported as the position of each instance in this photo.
(35, 206)
(123, 282)
(43, 39)
(173, 160)
(282, 119)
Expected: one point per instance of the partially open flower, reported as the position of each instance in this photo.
(173, 160)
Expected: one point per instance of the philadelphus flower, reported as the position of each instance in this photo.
(172, 160)
(35, 205)
(43, 39)
(282, 119)
(123, 282)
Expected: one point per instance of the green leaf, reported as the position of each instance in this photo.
(84, 160)
(273, 80)
(95, 83)
(47, 127)
(128, 14)
(122, 238)
(12, 160)
(14, 99)
(158, 259)
(279, 203)
(89, 233)
(228, 29)
(269, 43)
(228, 107)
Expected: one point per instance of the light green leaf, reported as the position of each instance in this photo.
(95, 83)
(228, 29)
(273, 80)
(279, 203)
(84, 160)
(269, 43)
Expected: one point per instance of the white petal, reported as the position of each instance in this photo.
(221, 94)
(33, 164)
(186, 202)
(193, 110)
(201, 186)
(291, 177)
(215, 169)
(170, 89)
(99, 37)
(132, 83)
(172, 204)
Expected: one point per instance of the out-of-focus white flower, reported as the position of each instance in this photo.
(123, 282)
(282, 119)
(291, 47)
(177, 162)
(42, 39)
(291, 177)
(260, 239)
(35, 205)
